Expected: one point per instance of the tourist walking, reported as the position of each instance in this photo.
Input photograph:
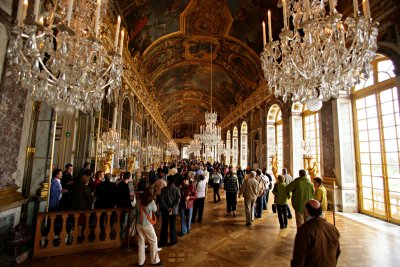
(231, 187)
(281, 198)
(250, 192)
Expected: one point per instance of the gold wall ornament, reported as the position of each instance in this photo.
(132, 78)
(107, 161)
(131, 162)
(274, 163)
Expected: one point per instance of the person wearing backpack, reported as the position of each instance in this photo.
(262, 191)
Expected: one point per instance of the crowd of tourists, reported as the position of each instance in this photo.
(179, 188)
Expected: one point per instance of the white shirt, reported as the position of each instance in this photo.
(201, 188)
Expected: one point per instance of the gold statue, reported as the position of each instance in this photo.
(274, 162)
(313, 171)
(131, 163)
(106, 162)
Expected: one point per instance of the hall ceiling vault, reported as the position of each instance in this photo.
(176, 40)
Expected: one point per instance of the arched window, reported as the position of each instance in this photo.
(377, 124)
(235, 145)
(274, 135)
(228, 147)
(311, 136)
(243, 145)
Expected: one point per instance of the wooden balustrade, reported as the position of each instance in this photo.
(66, 232)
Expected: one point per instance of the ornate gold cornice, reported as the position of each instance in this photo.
(134, 81)
(257, 98)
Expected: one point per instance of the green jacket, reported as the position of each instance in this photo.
(281, 197)
(303, 190)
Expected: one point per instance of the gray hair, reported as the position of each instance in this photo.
(252, 174)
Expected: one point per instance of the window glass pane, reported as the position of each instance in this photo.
(362, 125)
(376, 170)
(373, 123)
(391, 145)
(367, 192)
(379, 207)
(364, 157)
(390, 132)
(363, 135)
(393, 171)
(388, 120)
(365, 169)
(387, 108)
(376, 158)
(385, 70)
(374, 135)
(371, 112)
(370, 81)
(377, 182)
(375, 146)
(367, 204)
(395, 211)
(392, 158)
(394, 198)
(366, 181)
(364, 147)
(370, 101)
(394, 91)
(361, 114)
(360, 103)
(394, 185)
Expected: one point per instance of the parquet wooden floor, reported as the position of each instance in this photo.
(226, 241)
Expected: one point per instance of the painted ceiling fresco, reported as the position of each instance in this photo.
(176, 42)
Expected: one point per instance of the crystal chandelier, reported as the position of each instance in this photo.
(210, 134)
(322, 56)
(61, 59)
(172, 148)
(110, 140)
(195, 145)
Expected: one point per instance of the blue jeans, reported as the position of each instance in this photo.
(186, 219)
(259, 207)
(282, 215)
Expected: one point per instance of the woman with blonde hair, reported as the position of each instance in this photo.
(281, 199)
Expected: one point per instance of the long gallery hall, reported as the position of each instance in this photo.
(220, 240)
(111, 109)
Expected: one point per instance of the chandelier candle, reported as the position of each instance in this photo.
(24, 11)
(331, 6)
(269, 27)
(20, 11)
(36, 10)
(285, 24)
(121, 47)
(366, 10)
(69, 13)
(117, 32)
(355, 6)
(96, 27)
(264, 37)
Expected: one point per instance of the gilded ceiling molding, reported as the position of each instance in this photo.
(257, 98)
(134, 81)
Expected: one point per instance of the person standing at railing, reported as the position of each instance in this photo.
(146, 208)
(123, 200)
(55, 189)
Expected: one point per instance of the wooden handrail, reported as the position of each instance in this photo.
(66, 232)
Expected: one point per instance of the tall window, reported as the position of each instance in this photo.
(311, 134)
(243, 145)
(274, 135)
(228, 147)
(377, 122)
(235, 146)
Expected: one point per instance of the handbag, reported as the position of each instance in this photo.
(152, 219)
(274, 208)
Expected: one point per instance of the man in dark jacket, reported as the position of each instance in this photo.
(105, 193)
(169, 206)
(123, 200)
(80, 195)
(317, 241)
